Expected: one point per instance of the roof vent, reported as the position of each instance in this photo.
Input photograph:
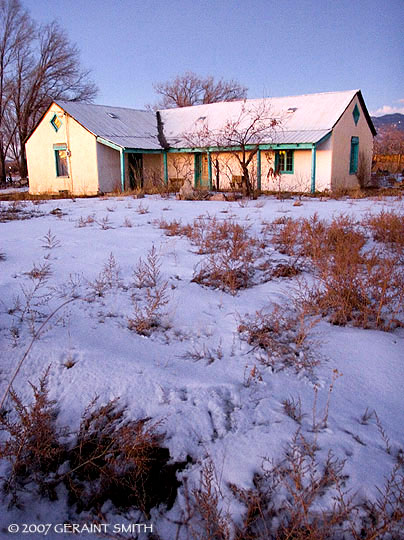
(292, 109)
(112, 115)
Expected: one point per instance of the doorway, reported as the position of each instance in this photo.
(135, 169)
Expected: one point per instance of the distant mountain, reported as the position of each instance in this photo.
(390, 133)
(390, 121)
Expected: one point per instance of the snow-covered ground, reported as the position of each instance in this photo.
(194, 373)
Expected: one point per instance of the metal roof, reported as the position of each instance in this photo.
(127, 128)
(306, 118)
(302, 119)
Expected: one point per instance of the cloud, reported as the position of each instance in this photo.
(388, 109)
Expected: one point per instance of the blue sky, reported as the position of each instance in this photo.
(274, 47)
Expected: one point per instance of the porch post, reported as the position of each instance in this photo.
(196, 170)
(210, 171)
(313, 168)
(165, 168)
(122, 155)
(259, 170)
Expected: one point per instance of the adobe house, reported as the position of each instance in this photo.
(319, 141)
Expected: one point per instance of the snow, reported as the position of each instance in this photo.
(313, 116)
(207, 408)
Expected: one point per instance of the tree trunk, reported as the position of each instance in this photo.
(217, 174)
(245, 183)
(22, 164)
(3, 172)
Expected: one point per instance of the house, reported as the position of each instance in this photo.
(311, 142)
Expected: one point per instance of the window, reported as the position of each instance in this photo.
(284, 161)
(56, 122)
(353, 160)
(61, 161)
(356, 114)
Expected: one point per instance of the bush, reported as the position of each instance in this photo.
(33, 448)
(290, 500)
(387, 227)
(121, 460)
(283, 335)
(110, 457)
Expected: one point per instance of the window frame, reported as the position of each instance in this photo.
(53, 123)
(356, 114)
(285, 161)
(56, 149)
(354, 156)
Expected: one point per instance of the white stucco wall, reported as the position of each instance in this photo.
(82, 163)
(341, 147)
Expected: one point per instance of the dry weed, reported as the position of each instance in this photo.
(283, 335)
(33, 448)
(117, 459)
(148, 309)
(387, 227)
(209, 521)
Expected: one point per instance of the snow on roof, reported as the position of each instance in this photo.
(303, 119)
(128, 128)
(306, 118)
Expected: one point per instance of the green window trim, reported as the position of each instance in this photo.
(354, 155)
(56, 122)
(284, 161)
(356, 114)
(61, 165)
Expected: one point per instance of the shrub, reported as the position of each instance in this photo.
(283, 335)
(367, 290)
(147, 313)
(230, 269)
(33, 448)
(111, 457)
(209, 520)
(387, 227)
(148, 308)
(121, 460)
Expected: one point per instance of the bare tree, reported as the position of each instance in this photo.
(239, 136)
(15, 30)
(191, 89)
(50, 71)
(38, 64)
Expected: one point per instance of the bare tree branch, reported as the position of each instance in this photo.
(240, 136)
(38, 64)
(191, 89)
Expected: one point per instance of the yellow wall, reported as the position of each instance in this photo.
(229, 167)
(180, 166)
(341, 148)
(83, 174)
(153, 174)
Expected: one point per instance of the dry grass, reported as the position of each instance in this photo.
(230, 269)
(33, 448)
(148, 312)
(109, 278)
(148, 307)
(387, 227)
(209, 521)
(118, 459)
(290, 501)
(172, 228)
(364, 289)
(17, 210)
(353, 284)
(110, 458)
(283, 335)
